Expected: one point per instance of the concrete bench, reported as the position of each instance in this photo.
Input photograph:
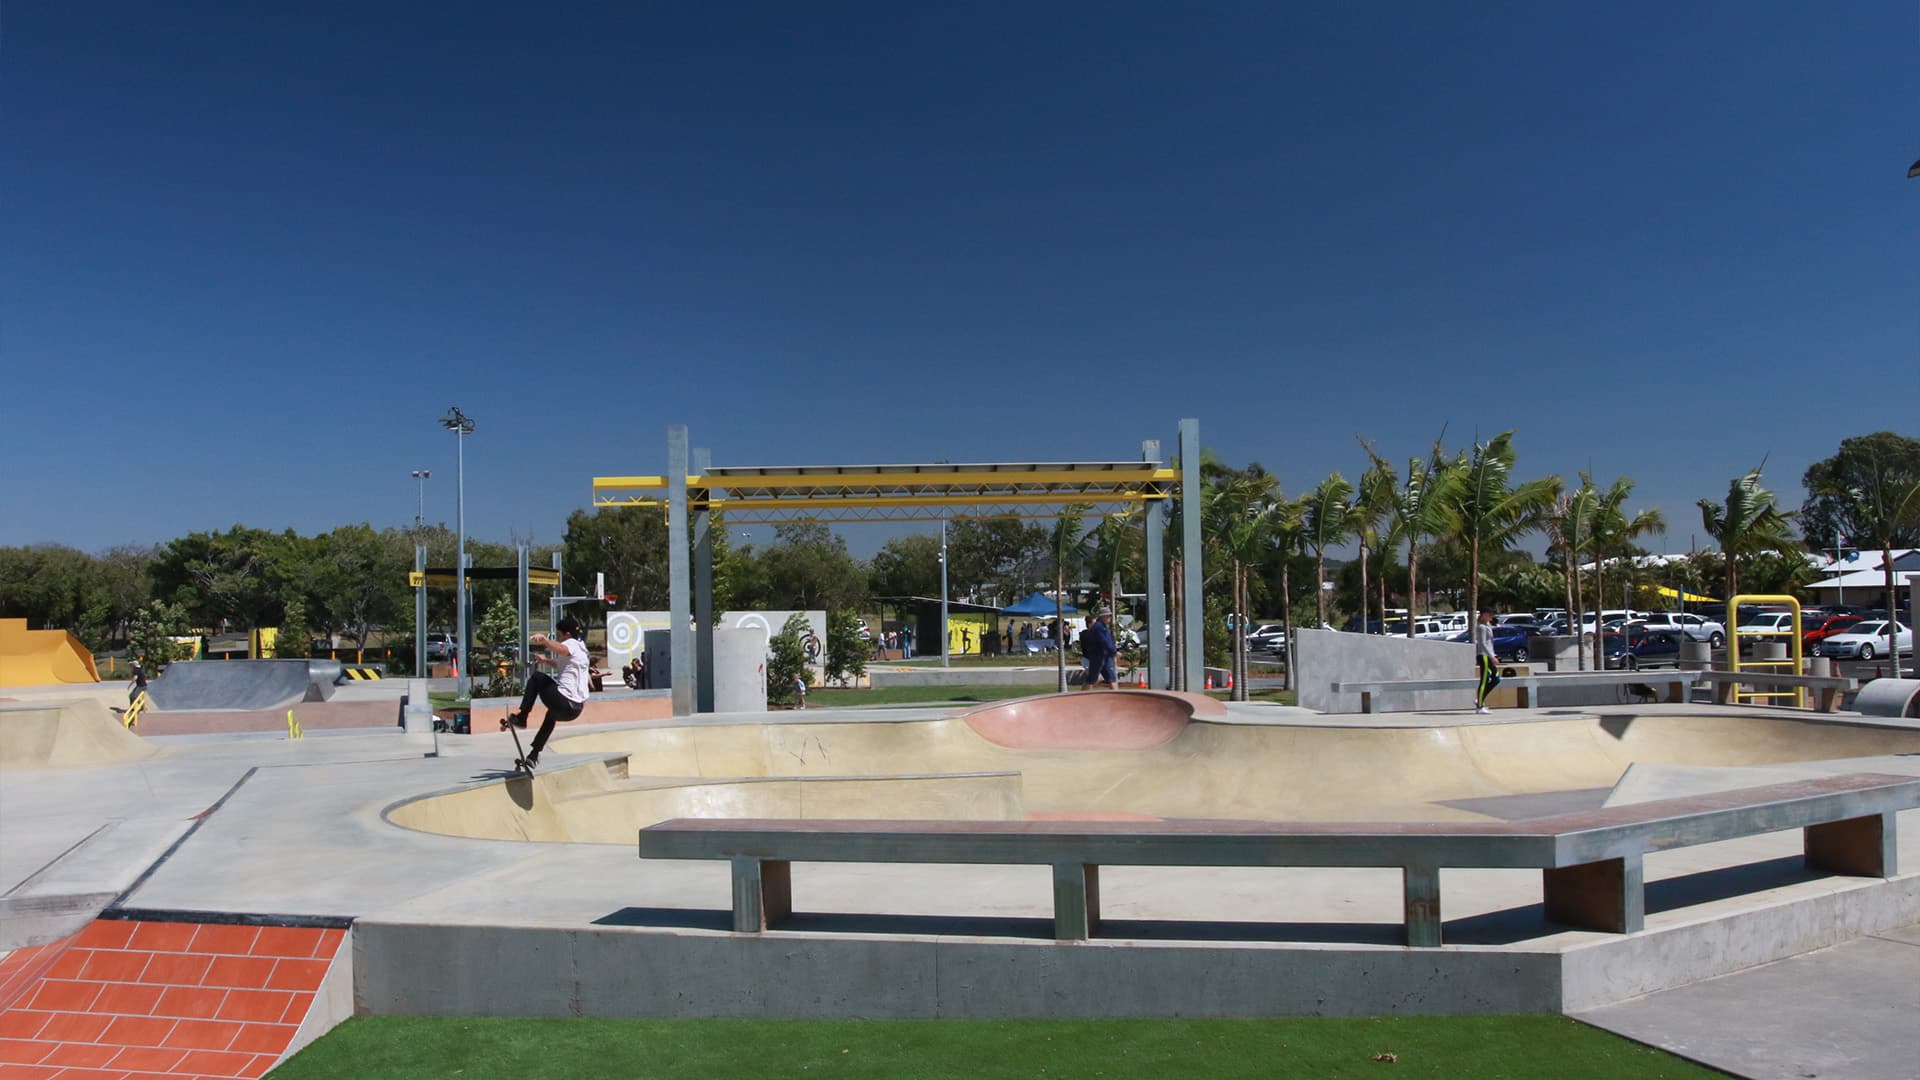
(1590, 861)
(1830, 688)
(1678, 683)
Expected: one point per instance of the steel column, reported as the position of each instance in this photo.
(685, 673)
(703, 589)
(1194, 607)
(420, 613)
(1155, 630)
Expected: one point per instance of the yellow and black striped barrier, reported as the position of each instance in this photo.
(360, 674)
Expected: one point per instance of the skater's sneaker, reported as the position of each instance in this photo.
(517, 719)
(530, 761)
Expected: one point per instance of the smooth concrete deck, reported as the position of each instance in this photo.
(487, 926)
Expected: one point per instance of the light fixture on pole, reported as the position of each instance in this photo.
(462, 426)
(420, 519)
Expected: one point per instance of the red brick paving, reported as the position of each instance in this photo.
(157, 999)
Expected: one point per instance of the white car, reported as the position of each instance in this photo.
(1270, 637)
(1767, 624)
(1433, 629)
(1693, 626)
(1864, 641)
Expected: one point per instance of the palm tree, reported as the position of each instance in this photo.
(1613, 533)
(1241, 513)
(1373, 500)
(1569, 531)
(1329, 521)
(1286, 532)
(1748, 523)
(1491, 513)
(1423, 508)
(1064, 537)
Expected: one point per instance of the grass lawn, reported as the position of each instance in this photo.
(818, 697)
(377, 1048)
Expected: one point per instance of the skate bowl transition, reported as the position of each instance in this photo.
(201, 685)
(1113, 757)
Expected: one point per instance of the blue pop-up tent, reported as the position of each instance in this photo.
(1039, 604)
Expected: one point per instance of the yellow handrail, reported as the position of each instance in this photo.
(1793, 665)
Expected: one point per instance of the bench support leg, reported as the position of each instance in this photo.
(1865, 846)
(1421, 888)
(1076, 901)
(1523, 697)
(1829, 699)
(1677, 691)
(762, 893)
(1608, 895)
(1366, 701)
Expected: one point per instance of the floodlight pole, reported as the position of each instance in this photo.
(420, 519)
(462, 426)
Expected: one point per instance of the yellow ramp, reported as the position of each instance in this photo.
(38, 657)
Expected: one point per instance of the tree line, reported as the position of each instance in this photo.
(1445, 522)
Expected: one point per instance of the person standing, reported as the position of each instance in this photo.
(1096, 645)
(564, 693)
(1484, 660)
(906, 643)
(139, 683)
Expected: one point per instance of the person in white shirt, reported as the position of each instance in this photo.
(564, 693)
(1484, 660)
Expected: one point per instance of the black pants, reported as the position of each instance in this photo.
(1489, 678)
(559, 709)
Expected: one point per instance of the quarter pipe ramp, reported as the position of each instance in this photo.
(38, 657)
(199, 685)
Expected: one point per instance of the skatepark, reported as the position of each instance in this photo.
(416, 874)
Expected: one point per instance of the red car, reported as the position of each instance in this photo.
(1818, 629)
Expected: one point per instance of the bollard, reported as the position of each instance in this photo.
(1820, 666)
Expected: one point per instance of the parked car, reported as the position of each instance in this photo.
(1694, 627)
(1642, 647)
(1433, 630)
(438, 646)
(1268, 637)
(1766, 624)
(1865, 641)
(1819, 630)
(1509, 642)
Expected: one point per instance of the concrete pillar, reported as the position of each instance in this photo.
(740, 670)
(1695, 656)
(1819, 666)
(1194, 608)
(1155, 629)
(679, 573)
(703, 589)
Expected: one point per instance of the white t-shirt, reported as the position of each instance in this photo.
(572, 674)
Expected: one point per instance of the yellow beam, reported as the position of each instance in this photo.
(895, 481)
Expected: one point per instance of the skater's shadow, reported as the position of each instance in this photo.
(519, 785)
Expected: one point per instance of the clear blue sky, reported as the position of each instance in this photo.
(251, 252)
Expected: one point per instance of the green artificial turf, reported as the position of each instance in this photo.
(1486, 1048)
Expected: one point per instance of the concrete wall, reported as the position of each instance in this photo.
(740, 670)
(419, 970)
(1329, 656)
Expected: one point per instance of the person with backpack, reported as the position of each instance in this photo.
(1096, 648)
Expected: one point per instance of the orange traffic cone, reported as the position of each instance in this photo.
(1209, 682)
(1140, 680)
(1229, 680)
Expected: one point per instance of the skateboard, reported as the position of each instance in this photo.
(519, 752)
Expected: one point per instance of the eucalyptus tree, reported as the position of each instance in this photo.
(1748, 523)
(1422, 508)
(1329, 521)
(1871, 490)
(1490, 512)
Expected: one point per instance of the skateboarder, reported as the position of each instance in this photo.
(564, 693)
